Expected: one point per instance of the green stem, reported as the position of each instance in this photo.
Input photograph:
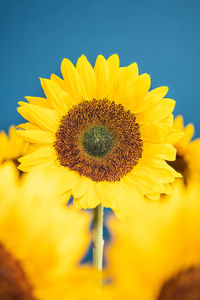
(98, 241)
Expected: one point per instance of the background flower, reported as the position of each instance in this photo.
(12, 146)
(157, 252)
(188, 153)
(41, 242)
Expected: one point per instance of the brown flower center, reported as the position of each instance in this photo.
(185, 286)
(13, 282)
(181, 166)
(99, 139)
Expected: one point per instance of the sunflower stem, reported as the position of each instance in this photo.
(98, 241)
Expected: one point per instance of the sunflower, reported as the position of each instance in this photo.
(41, 243)
(188, 152)
(103, 131)
(12, 146)
(157, 257)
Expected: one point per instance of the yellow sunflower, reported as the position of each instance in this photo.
(104, 132)
(188, 152)
(157, 257)
(41, 243)
(12, 146)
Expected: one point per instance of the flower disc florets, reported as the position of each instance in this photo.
(99, 139)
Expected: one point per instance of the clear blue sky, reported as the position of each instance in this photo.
(162, 36)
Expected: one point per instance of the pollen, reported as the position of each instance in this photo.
(99, 139)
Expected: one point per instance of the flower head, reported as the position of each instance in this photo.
(157, 257)
(41, 242)
(12, 146)
(188, 152)
(104, 132)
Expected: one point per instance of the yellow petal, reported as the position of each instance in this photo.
(113, 66)
(178, 123)
(154, 132)
(168, 188)
(119, 196)
(130, 195)
(58, 81)
(87, 74)
(45, 118)
(161, 151)
(42, 155)
(37, 136)
(28, 126)
(56, 97)
(4, 145)
(88, 198)
(145, 182)
(72, 80)
(152, 98)
(38, 101)
(189, 132)
(138, 90)
(102, 77)
(175, 136)
(127, 77)
(168, 121)
(153, 196)
(158, 112)
(161, 165)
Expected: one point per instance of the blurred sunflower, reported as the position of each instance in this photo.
(12, 146)
(41, 243)
(157, 257)
(188, 152)
(104, 132)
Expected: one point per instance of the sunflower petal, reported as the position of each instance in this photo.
(138, 91)
(154, 133)
(38, 101)
(158, 112)
(127, 77)
(113, 66)
(72, 80)
(162, 151)
(102, 77)
(87, 74)
(28, 126)
(56, 97)
(60, 82)
(37, 136)
(151, 99)
(42, 155)
(45, 118)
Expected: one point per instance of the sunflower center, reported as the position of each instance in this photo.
(99, 139)
(185, 286)
(181, 166)
(13, 282)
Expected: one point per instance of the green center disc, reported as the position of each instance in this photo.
(97, 141)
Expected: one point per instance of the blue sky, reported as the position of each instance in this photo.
(161, 36)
